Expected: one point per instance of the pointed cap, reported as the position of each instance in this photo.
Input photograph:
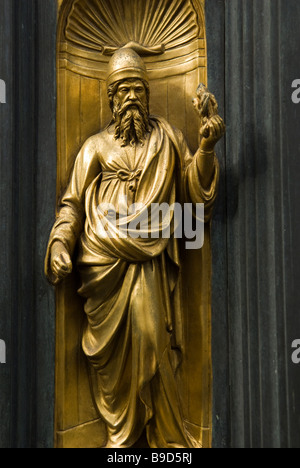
(126, 63)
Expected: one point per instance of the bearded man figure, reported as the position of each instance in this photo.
(132, 285)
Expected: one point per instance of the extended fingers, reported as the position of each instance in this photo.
(205, 130)
(216, 127)
(219, 125)
(57, 270)
(212, 128)
(66, 262)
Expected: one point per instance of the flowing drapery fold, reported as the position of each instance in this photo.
(132, 286)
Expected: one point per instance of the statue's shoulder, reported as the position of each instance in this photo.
(97, 137)
(96, 141)
(173, 132)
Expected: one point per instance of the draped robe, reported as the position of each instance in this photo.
(132, 286)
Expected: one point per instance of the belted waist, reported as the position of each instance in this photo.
(125, 176)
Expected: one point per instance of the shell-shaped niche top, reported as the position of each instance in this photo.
(153, 26)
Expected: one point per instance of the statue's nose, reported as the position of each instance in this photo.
(132, 95)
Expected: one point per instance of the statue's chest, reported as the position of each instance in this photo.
(129, 158)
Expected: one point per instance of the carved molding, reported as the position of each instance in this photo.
(169, 34)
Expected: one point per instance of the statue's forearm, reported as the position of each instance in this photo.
(212, 129)
(63, 238)
(68, 226)
(206, 167)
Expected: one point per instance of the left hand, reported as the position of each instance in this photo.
(211, 133)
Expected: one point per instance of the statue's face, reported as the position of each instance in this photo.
(129, 99)
(131, 92)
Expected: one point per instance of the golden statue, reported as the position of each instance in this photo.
(131, 285)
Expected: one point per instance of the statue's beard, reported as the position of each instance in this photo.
(132, 123)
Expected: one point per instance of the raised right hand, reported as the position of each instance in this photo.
(61, 263)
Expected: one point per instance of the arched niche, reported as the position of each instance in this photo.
(172, 34)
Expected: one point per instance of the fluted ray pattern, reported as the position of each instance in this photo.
(95, 24)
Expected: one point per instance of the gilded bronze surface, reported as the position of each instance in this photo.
(146, 328)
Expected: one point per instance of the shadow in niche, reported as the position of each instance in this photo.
(142, 442)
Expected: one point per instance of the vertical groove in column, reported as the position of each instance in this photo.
(6, 225)
(283, 346)
(258, 201)
(234, 73)
(45, 196)
(23, 235)
(215, 31)
(289, 123)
